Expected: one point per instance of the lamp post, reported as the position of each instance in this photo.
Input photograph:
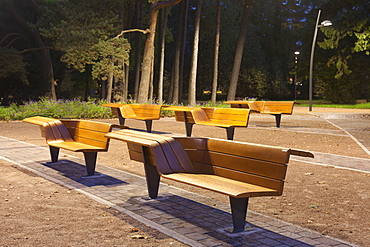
(295, 76)
(325, 23)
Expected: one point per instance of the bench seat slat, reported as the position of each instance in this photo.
(74, 135)
(90, 134)
(244, 149)
(237, 163)
(222, 185)
(77, 147)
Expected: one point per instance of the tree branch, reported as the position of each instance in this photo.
(18, 36)
(161, 5)
(37, 49)
(133, 30)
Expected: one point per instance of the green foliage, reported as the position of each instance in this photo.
(363, 41)
(78, 29)
(56, 109)
(94, 110)
(328, 104)
(12, 65)
(350, 34)
(109, 54)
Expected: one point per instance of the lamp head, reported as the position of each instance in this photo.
(326, 23)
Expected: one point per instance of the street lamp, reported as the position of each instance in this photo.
(295, 76)
(325, 23)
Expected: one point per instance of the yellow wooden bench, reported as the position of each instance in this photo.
(144, 112)
(74, 135)
(219, 117)
(236, 169)
(276, 108)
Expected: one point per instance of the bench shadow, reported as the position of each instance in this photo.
(77, 172)
(186, 216)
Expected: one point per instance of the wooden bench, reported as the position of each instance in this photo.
(74, 135)
(144, 112)
(236, 169)
(219, 117)
(276, 108)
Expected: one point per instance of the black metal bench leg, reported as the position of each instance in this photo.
(121, 119)
(230, 133)
(239, 208)
(189, 129)
(188, 126)
(54, 153)
(152, 175)
(90, 161)
(278, 120)
(149, 124)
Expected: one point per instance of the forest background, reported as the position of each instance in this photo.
(182, 51)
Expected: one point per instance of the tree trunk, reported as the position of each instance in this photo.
(120, 85)
(138, 18)
(176, 63)
(47, 66)
(217, 46)
(185, 12)
(149, 49)
(194, 60)
(238, 54)
(161, 66)
(110, 82)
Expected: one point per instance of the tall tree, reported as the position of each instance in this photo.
(23, 23)
(239, 52)
(216, 53)
(146, 72)
(176, 86)
(162, 53)
(194, 60)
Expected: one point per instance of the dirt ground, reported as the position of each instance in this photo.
(329, 200)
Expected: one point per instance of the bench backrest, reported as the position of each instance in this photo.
(146, 110)
(88, 132)
(179, 116)
(256, 164)
(127, 111)
(200, 116)
(285, 107)
(251, 163)
(133, 110)
(66, 130)
(164, 152)
(252, 105)
(237, 117)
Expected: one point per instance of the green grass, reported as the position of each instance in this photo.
(322, 103)
(56, 109)
(93, 109)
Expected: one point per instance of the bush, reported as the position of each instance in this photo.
(56, 109)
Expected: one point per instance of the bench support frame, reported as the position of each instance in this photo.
(54, 153)
(152, 176)
(239, 208)
(277, 119)
(230, 133)
(121, 120)
(148, 124)
(90, 159)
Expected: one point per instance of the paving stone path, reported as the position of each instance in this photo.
(190, 218)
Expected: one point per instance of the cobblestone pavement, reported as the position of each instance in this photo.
(355, 124)
(190, 218)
